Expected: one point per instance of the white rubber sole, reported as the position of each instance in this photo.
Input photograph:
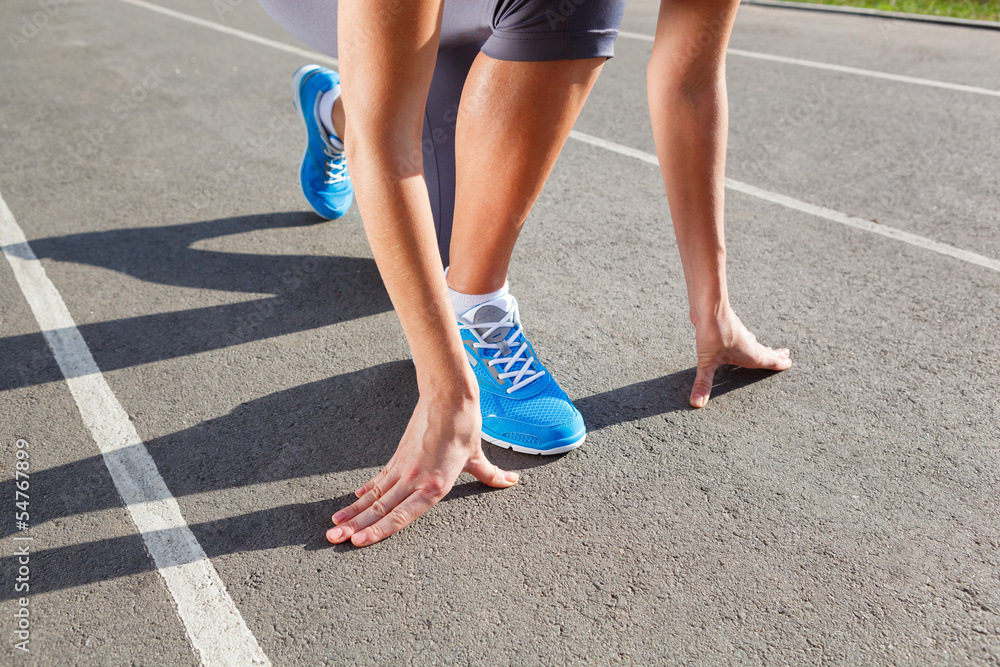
(538, 452)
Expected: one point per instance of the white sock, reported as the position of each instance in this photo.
(326, 114)
(461, 303)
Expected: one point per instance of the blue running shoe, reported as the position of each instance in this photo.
(523, 407)
(324, 177)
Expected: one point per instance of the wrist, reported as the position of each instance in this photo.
(451, 383)
(710, 308)
(708, 291)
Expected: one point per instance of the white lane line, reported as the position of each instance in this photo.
(839, 68)
(314, 56)
(214, 625)
(753, 191)
(811, 209)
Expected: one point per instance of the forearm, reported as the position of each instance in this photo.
(400, 228)
(689, 111)
(690, 143)
(387, 56)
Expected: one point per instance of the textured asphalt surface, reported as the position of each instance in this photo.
(843, 512)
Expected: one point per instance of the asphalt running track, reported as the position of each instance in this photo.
(200, 371)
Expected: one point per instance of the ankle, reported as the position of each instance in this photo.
(476, 281)
(461, 301)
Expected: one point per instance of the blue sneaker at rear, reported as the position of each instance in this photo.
(522, 406)
(325, 180)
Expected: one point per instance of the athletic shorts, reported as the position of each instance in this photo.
(523, 30)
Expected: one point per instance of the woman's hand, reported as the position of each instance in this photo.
(441, 441)
(722, 339)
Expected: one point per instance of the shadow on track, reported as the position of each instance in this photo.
(299, 524)
(660, 396)
(310, 291)
(347, 422)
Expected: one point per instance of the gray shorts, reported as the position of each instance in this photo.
(525, 30)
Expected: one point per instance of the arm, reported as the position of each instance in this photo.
(688, 106)
(387, 55)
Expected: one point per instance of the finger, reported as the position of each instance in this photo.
(345, 521)
(777, 360)
(369, 510)
(401, 515)
(702, 388)
(374, 492)
(766, 358)
(372, 482)
(490, 474)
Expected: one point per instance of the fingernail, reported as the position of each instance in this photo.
(511, 477)
(698, 402)
(359, 539)
(335, 534)
(358, 491)
(339, 516)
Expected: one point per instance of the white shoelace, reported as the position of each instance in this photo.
(523, 376)
(336, 165)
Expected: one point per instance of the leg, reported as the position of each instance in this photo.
(513, 121)
(315, 23)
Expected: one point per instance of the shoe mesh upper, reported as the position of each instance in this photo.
(549, 407)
